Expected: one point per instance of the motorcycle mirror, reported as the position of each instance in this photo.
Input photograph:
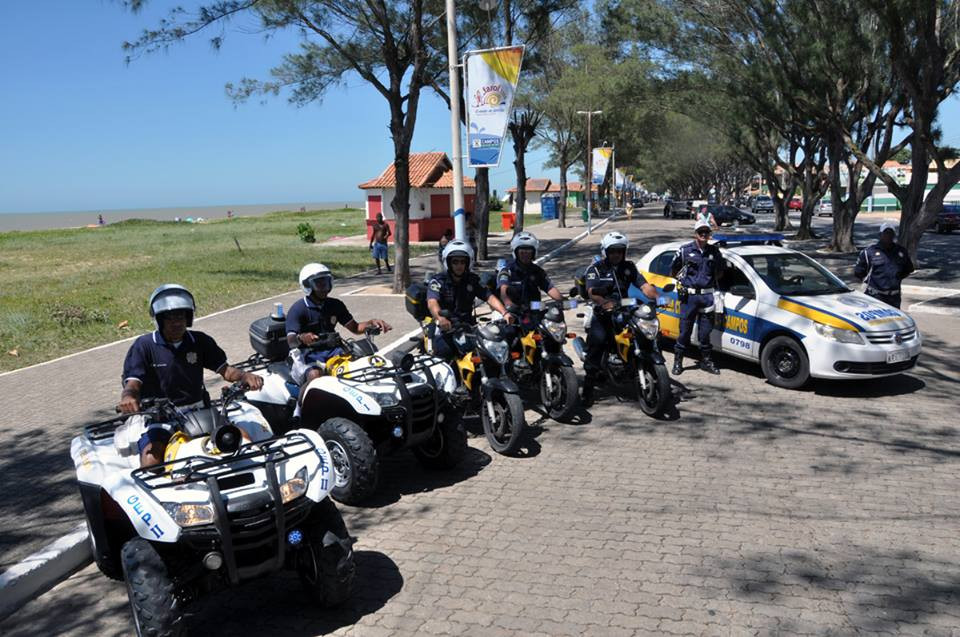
(227, 438)
(535, 305)
(574, 291)
(669, 287)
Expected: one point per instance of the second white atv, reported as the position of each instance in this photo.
(365, 406)
(230, 503)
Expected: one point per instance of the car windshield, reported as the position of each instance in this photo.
(764, 198)
(795, 274)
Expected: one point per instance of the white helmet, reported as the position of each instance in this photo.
(170, 297)
(311, 273)
(613, 239)
(524, 240)
(456, 248)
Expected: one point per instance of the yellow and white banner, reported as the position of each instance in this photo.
(491, 80)
(601, 161)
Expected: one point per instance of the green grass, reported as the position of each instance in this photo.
(66, 290)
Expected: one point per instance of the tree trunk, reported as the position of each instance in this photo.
(482, 210)
(521, 169)
(562, 204)
(401, 213)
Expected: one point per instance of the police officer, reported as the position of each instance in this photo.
(455, 290)
(883, 266)
(521, 280)
(697, 265)
(317, 314)
(608, 281)
(169, 363)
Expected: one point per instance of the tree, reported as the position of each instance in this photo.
(384, 43)
(523, 126)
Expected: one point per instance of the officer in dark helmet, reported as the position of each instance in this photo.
(883, 266)
(169, 363)
(697, 266)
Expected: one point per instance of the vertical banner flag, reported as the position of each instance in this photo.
(601, 161)
(492, 76)
(619, 184)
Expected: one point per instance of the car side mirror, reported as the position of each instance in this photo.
(745, 291)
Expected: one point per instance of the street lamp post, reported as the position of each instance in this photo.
(459, 216)
(589, 178)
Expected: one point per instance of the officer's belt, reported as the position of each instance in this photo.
(700, 290)
(883, 292)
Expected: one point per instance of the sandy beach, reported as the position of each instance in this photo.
(49, 220)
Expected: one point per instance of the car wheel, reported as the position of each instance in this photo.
(784, 363)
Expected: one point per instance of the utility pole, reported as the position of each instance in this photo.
(589, 175)
(459, 216)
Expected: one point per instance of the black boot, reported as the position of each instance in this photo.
(677, 363)
(707, 364)
(586, 393)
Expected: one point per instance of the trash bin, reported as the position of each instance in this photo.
(583, 215)
(508, 220)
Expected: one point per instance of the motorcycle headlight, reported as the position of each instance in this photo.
(644, 312)
(839, 335)
(649, 327)
(498, 350)
(295, 486)
(190, 513)
(556, 329)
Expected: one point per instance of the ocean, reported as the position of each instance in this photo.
(49, 220)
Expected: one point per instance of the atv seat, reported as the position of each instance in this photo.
(282, 370)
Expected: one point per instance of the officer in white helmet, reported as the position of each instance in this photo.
(521, 280)
(455, 290)
(608, 281)
(317, 314)
(169, 363)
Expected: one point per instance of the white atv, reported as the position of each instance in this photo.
(230, 503)
(365, 406)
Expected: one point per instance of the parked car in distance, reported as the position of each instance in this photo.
(825, 208)
(677, 208)
(949, 218)
(795, 204)
(763, 203)
(728, 215)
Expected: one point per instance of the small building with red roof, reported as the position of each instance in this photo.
(431, 196)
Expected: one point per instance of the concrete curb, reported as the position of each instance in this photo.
(43, 570)
(38, 573)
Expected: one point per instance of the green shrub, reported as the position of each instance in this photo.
(496, 204)
(306, 233)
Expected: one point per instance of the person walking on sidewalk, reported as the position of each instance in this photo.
(378, 243)
(883, 266)
(697, 266)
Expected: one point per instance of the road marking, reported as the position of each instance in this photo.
(921, 307)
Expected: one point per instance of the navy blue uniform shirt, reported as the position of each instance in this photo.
(702, 267)
(613, 281)
(524, 282)
(457, 297)
(883, 268)
(318, 318)
(173, 372)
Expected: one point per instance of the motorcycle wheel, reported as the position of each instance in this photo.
(325, 563)
(154, 603)
(656, 398)
(505, 430)
(562, 402)
(354, 459)
(448, 444)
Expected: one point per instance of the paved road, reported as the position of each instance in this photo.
(749, 510)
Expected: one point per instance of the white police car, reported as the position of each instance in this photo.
(793, 315)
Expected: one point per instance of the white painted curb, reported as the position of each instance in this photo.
(43, 570)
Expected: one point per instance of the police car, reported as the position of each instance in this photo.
(792, 315)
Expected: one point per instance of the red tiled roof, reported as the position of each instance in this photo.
(534, 185)
(446, 181)
(425, 168)
(572, 186)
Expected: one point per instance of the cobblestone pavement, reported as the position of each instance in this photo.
(748, 510)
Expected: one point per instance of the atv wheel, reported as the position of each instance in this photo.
(505, 429)
(156, 609)
(325, 562)
(354, 459)
(447, 446)
(562, 399)
(107, 561)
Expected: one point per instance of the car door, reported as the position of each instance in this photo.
(738, 336)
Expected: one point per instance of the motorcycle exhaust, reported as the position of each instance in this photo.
(578, 347)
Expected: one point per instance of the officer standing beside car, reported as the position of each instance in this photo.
(883, 266)
(697, 266)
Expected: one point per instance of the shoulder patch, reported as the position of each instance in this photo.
(435, 285)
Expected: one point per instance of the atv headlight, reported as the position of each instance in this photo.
(190, 513)
(839, 335)
(386, 399)
(295, 486)
(556, 329)
(498, 350)
(649, 327)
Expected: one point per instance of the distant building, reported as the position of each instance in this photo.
(536, 189)
(576, 194)
(431, 196)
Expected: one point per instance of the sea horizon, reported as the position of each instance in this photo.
(54, 219)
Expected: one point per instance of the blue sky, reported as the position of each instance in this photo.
(81, 130)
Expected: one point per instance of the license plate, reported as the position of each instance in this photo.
(896, 357)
